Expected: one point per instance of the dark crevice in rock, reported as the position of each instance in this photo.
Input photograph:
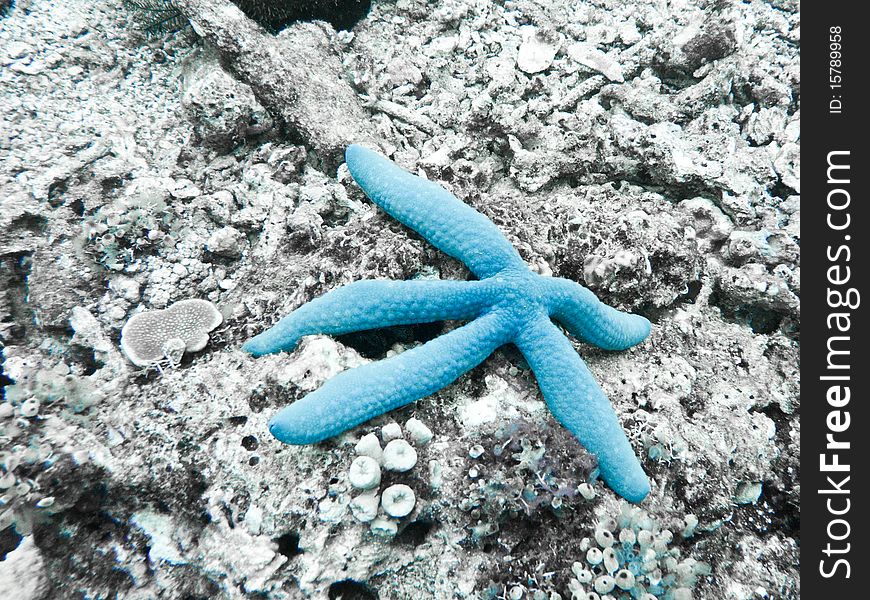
(348, 589)
(375, 343)
(521, 539)
(779, 493)
(74, 541)
(759, 318)
(656, 313)
(15, 314)
(56, 191)
(4, 380)
(274, 15)
(288, 544)
(647, 181)
(83, 357)
(415, 533)
(273, 394)
(781, 190)
(29, 222)
(9, 540)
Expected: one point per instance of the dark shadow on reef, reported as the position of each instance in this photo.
(274, 15)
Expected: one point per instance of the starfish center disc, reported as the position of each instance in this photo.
(519, 293)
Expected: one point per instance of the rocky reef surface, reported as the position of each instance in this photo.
(647, 150)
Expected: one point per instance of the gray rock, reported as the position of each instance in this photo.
(226, 241)
(224, 111)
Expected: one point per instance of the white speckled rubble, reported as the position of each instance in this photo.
(649, 151)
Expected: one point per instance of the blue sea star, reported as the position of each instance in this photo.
(507, 304)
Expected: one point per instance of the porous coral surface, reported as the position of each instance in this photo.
(647, 151)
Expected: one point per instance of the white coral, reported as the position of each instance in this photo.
(399, 456)
(417, 430)
(365, 506)
(364, 473)
(368, 445)
(147, 336)
(398, 500)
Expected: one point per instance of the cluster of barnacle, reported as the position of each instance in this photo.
(25, 454)
(21, 503)
(44, 387)
(128, 227)
(383, 510)
(631, 557)
(528, 468)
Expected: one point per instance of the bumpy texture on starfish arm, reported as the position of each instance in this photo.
(443, 220)
(509, 304)
(357, 395)
(578, 403)
(371, 304)
(592, 321)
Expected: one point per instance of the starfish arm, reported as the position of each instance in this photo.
(581, 406)
(590, 320)
(357, 395)
(444, 221)
(372, 304)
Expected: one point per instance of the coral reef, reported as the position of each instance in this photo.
(646, 150)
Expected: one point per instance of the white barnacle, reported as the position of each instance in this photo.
(399, 456)
(604, 584)
(398, 500)
(603, 537)
(153, 336)
(364, 507)
(417, 430)
(364, 473)
(624, 579)
(368, 445)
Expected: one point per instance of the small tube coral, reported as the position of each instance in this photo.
(368, 445)
(398, 500)
(631, 558)
(419, 433)
(399, 456)
(364, 473)
(364, 507)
